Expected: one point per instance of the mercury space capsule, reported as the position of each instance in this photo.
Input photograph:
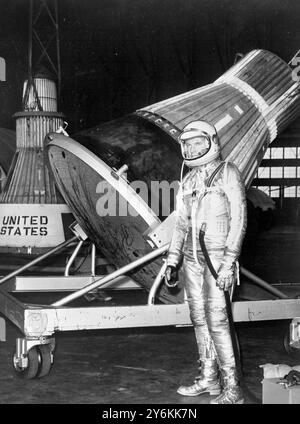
(33, 214)
(249, 106)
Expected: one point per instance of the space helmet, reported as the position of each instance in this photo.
(199, 143)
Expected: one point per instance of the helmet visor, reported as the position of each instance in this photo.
(196, 147)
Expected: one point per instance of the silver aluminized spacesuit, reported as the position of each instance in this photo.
(211, 193)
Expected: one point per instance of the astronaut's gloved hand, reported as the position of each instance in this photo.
(171, 276)
(226, 277)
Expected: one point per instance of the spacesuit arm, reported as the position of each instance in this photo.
(179, 232)
(236, 199)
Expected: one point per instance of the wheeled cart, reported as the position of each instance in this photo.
(39, 323)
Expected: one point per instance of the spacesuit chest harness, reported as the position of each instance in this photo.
(211, 210)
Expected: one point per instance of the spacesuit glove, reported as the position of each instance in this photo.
(171, 276)
(226, 277)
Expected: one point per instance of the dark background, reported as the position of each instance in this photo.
(119, 55)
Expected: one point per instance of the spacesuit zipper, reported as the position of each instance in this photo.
(195, 203)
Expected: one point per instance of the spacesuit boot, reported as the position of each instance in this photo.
(206, 382)
(232, 392)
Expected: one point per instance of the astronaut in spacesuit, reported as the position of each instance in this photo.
(211, 193)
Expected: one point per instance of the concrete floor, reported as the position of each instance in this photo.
(146, 365)
(134, 366)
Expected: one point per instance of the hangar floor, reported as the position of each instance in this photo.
(134, 366)
(146, 365)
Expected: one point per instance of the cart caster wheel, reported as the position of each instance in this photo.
(39, 363)
(33, 365)
(45, 360)
(291, 351)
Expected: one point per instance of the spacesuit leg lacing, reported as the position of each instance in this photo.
(232, 392)
(208, 379)
(206, 382)
(194, 232)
